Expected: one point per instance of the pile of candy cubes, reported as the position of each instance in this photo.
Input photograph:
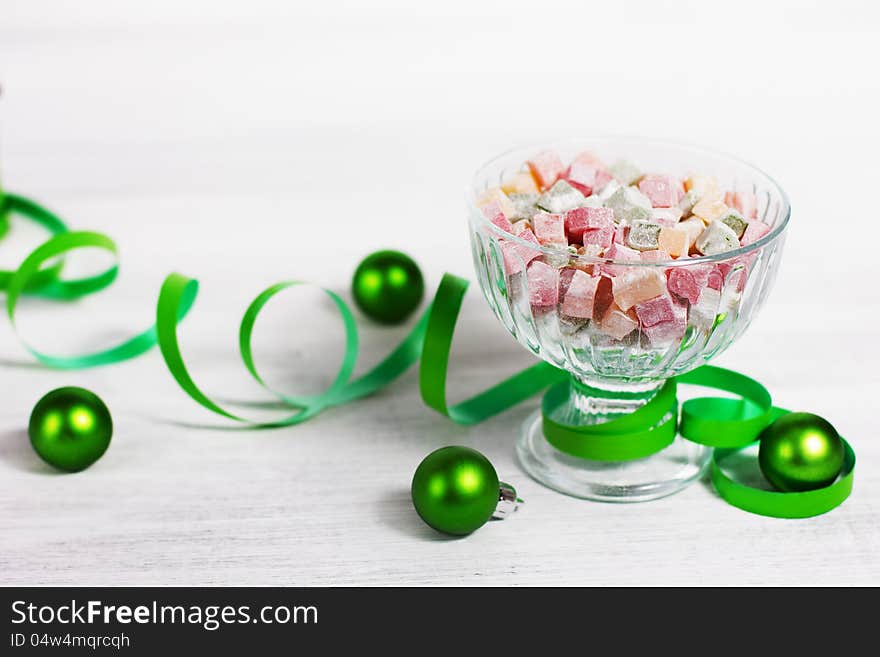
(589, 214)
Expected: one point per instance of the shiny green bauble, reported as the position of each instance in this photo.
(800, 452)
(455, 490)
(70, 428)
(388, 286)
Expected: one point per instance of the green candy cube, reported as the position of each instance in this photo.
(736, 223)
(629, 205)
(524, 205)
(625, 172)
(562, 197)
(643, 236)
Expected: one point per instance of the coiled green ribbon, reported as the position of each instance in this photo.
(724, 423)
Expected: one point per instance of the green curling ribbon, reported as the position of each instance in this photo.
(724, 423)
(777, 504)
(60, 289)
(442, 316)
(642, 433)
(178, 290)
(430, 339)
(721, 421)
(12, 204)
(4, 215)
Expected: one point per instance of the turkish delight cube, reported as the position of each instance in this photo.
(735, 222)
(676, 240)
(520, 183)
(703, 187)
(643, 236)
(575, 223)
(754, 231)
(655, 255)
(745, 202)
(625, 172)
(582, 176)
(543, 284)
(629, 205)
(580, 296)
(580, 220)
(550, 228)
(701, 314)
(545, 167)
(620, 253)
(523, 206)
(666, 216)
(688, 282)
(716, 238)
(617, 323)
(495, 195)
(562, 197)
(517, 256)
(603, 178)
(656, 310)
(663, 191)
(710, 210)
(493, 213)
(670, 330)
(637, 284)
(687, 202)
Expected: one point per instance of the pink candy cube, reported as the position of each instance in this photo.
(493, 213)
(655, 255)
(616, 323)
(601, 237)
(546, 167)
(745, 202)
(656, 310)
(598, 223)
(755, 230)
(670, 330)
(618, 252)
(660, 189)
(516, 256)
(582, 176)
(543, 284)
(520, 227)
(603, 177)
(716, 279)
(586, 157)
(603, 299)
(565, 276)
(550, 228)
(637, 285)
(580, 296)
(687, 282)
(736, 271)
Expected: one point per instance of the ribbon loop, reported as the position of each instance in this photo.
(720, 421)
(57, 246)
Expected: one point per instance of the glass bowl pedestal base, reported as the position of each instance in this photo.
(592, 402)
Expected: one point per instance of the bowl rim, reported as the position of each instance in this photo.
(773, 235)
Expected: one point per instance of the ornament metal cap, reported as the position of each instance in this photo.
(508, 502)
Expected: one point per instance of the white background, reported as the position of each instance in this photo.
(248, 142)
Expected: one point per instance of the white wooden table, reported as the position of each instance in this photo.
(244, 143)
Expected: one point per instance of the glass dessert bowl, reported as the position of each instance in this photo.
(623, 306)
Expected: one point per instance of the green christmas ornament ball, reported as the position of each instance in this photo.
(388, 286)
(70, 428)
(800, 452)
(455, 490)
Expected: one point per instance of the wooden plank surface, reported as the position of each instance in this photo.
(247, 143)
